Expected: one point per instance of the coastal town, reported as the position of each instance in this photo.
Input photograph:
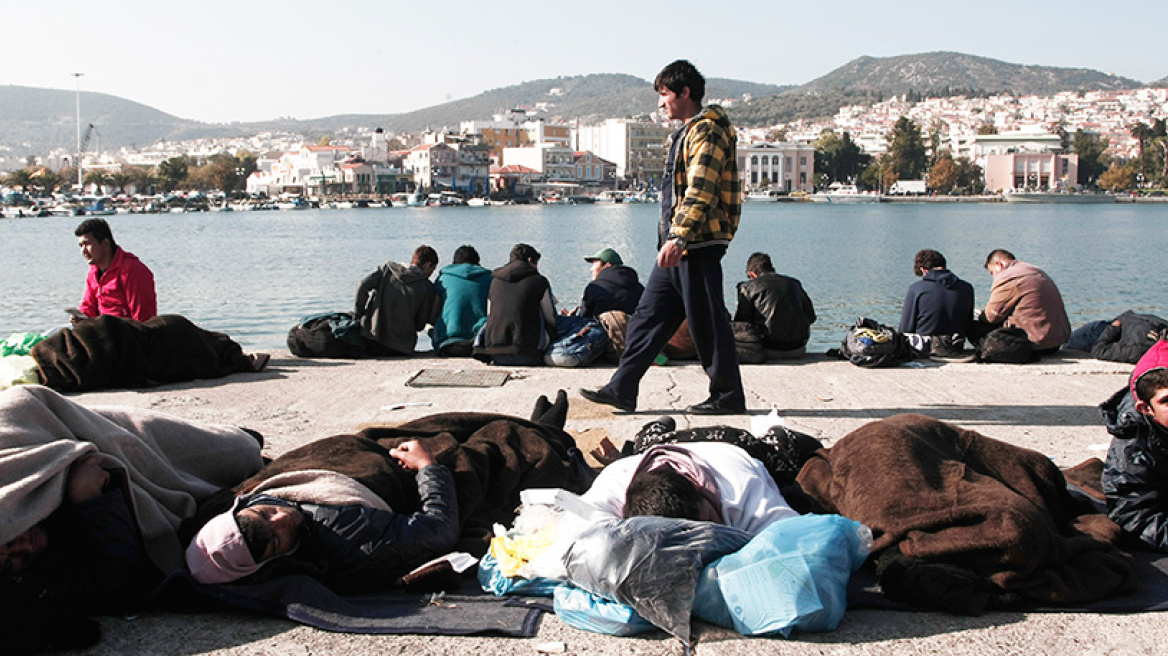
(991, 147)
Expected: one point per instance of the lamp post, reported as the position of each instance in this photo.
(80, 183)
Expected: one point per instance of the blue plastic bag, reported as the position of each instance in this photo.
(583, 610)
(793, 575)
(492, 581)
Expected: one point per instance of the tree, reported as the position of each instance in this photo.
(1143, 133)
(937, 128)
(970, 176)
(907, 157)
(1118, 178)
(98, 178)
(943, 175)
(1093, 158)
(838, 158)
(172, 172)
(141, 178)
(325, 141)
(21, 179)
(764, 182)
(119, 180)
(987, 129)
(870, 177)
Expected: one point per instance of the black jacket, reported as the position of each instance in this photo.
(1128, 341)
(940, 303)
(778, 304)
(616, 288)
(514, 317)
(1135, 476)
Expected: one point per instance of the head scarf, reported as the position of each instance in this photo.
(1155, 358)
(219, 554)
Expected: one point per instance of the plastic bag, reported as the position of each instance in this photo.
(19, 343)
(493, 581)
(18, 370)
(792, 575)
(565, 514)
(651, 564)
(583, 610)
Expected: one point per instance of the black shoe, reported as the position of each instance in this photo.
(712, 407)
(605, 397)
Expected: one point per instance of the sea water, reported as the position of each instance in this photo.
(253, 275)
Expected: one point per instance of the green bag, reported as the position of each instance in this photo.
(19, 343)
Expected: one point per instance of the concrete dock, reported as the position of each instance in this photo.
(1049, 406)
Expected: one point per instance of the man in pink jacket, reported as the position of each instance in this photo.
(118, 283)
(1023, 296)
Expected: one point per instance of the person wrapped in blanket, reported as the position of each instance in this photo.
(351, 544)
(719, 474)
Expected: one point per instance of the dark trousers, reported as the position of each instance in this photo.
(691, 291)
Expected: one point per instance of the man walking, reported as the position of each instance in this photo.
(701, 199)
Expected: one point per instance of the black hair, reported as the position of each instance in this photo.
(999, 253)
(257, 535)
(1151, 382)
(679, 75)
(465, 255)
(663, 492)
(525, 252)
(98, 229)
(425, 255)
(929, 259)
(759, 263)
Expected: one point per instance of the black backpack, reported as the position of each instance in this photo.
(330, 335)
(1006, 346)
(871, 344)
(748, 339)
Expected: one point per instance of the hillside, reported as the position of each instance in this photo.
(1162, 83)
(586, 97)
(870, 79)
(34, 121)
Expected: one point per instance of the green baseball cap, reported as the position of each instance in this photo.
(606, 255)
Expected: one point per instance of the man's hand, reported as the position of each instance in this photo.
(670, 255)
(86, 479)
(412, 455)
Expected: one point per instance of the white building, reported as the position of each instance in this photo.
(786, 166)
(554, 163)
(637, 148)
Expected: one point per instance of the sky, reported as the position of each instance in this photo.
(251, 60)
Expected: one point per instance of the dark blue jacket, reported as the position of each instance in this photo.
(940, 303)
(1135, 476)
(616, 288)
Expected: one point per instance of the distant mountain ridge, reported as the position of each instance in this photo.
(33, 121)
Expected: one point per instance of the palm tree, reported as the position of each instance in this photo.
(1143, 133)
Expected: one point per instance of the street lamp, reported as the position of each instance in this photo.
(80, 183)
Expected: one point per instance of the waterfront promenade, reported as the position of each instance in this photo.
(1049, 406)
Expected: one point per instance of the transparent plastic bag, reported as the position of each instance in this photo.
(650, 564)
(792, 575)
(583, 610)
(493, 581)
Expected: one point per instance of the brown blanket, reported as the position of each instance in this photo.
(962, 521)
(105, 352)
(492, 457)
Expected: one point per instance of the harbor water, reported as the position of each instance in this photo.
(253, 275)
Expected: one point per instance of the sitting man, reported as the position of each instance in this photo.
(611, 297)
(118, 283)
(938, 308)
(462, 290)
(717, 481)
(395, 302)
(521, 313)
(778, 304)
(1024, 297)
(1135, 476)
(358, 543)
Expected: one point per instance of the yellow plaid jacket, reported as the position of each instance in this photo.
(707, 190)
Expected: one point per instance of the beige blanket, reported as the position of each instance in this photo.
(171, 464)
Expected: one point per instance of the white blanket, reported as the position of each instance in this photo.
(171, 464)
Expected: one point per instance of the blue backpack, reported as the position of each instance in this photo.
(581, 341)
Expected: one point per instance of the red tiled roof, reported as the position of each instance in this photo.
(513, 169)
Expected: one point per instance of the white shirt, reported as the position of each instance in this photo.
(750, 499)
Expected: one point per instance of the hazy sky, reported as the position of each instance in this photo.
(244, 60)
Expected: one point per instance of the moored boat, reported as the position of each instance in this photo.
(1056, 197)
(845, 193)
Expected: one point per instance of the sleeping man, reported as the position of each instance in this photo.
(356, 541)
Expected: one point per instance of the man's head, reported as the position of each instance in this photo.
(758, 264)
(1150, 383)
(465, 255)
(426, 259)
(525, 253)
(269, 530)
(97, 242)
(997, 260)
(680, 89)
(663, 492)
(926, 260)
(18, 553)
(604, 258)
